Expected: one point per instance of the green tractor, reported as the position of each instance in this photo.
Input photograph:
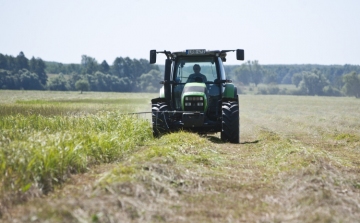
(196, 96)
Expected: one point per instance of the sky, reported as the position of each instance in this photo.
(273, 32)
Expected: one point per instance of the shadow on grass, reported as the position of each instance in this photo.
(214, 139)
(217, 140)
(251, 142)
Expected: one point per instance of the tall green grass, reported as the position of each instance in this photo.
(42, 151)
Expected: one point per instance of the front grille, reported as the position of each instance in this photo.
(194, 103)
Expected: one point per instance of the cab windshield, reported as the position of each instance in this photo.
(189, 69)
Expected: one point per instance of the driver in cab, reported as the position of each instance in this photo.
(197, 76)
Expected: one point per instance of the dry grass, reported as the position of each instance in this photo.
(298, 161)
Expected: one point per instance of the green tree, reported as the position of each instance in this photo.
(29, 81)
(89, 65)
(149, 82)
(3, 62)
(352, 84)
(243, 74)
(38, 66)
(296, 79)
(58, 83)
(257, 72)
(82, 85)
(8, 80)
(22, 62)
(11, 63)
(125, 85)
(286, 79)
(104, 67)
(314, 82)
(270, 77)
(332, 91)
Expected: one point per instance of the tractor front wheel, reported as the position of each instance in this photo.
(230, 127)
(160, 119)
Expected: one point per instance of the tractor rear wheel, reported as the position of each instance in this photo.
(230, 127)
(160, 119)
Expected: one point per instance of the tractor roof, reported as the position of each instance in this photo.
(197, 52)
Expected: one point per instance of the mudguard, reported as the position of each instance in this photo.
(229, 91)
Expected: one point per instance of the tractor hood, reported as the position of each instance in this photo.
(193, 97)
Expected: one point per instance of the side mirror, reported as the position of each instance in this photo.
(152, 56)
(240, 54)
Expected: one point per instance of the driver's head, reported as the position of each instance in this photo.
(196, 68)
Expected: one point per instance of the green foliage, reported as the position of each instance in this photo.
(88, 64)
(352, 84)
(123, 76)
(3, 62)
(7, 80)
(82, 85)
(39, 151)
(22, 62)
(104, 67)
(57, 68)
(242, 74)
(270, 77)
(149, 82)
(249, 72)
(58, 83)
(332, 91)
(285, 73)
(256, 71)
(29, 81)
(132, 75)
(38, 66)
(296, 79)
(20, 73)
(314, 82)
(287, 79)
(269, 89)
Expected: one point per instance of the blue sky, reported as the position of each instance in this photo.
(272, 32)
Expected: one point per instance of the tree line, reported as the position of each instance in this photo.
(123, 75)
(322, 80)
(132, 75)
(21, 73)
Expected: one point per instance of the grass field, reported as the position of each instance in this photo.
(70, 157)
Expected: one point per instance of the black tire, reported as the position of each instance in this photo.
(160, 119)
(230, 127)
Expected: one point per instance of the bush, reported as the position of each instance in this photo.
(82, 85)
(58, 83)
(300, 91)
(269, 89)
(331, 91)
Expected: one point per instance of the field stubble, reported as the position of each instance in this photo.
(298, 161)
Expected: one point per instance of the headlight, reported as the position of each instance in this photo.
(187, 103)
(200, 104)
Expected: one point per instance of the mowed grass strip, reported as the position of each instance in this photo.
(39, 152)
(184, 177)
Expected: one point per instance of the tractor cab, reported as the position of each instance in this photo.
(194, 89)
